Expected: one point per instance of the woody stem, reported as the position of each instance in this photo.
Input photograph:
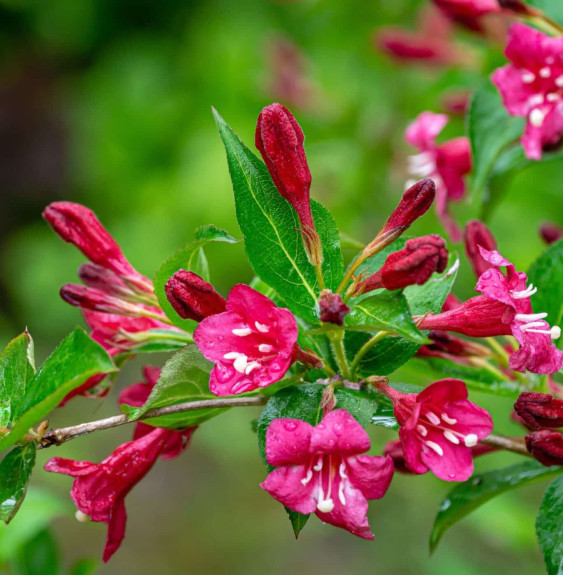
(58, 436)
(515, 444)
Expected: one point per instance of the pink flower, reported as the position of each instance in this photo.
(477, 234)
(99, 490)
(252, 344)
(439, 426)
(537, 352)
(550, 232)
(446, 164)
(532, 86)
(468, 13)
(320, 469)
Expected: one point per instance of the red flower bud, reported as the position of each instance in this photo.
(331, 308)
(546, 446)
(100, 278)
(98, 300)
(551, 232)
(478, 234)
(78, 225)
(414, 264)
(479, 316)
(539, 410)
(416, 201)
(455, 346)
(451, 302)
(192, 297)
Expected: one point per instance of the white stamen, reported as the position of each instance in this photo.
(554, 332)
(529, 316)
(240, 363)
(471, 440)
(252, 365)
(265, 348)
(528, 77)
(435, 447)
(450, 436)
(545, 72)
(529, 291)
(307, 477)
(445, 417)
(319, 464)
(559, 81)
(261, 327)
(532, 324)
(82, 517)
(422, 164)
(241, 332)
(422, 430)
(432, 418)
(342, 472)
(233, 355)
(325, 506)
(552, 97)
(535, 100)
(536, 117)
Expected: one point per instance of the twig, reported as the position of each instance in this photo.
(515, 444)
(59, 436)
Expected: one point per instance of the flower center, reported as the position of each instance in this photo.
(324, 471)
(431, 420)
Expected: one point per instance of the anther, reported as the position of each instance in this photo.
(451, 437)
(435, 447)
(471, 440)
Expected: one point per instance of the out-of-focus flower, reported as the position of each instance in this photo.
(321, 470)
(532, 87)
(551, 232)
(468, 13)
(477, 234)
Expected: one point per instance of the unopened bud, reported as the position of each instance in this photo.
(540, 410)
(331, 308)
(98, 277)
(546, 446)
(98, 300)
(478, 234)
(451, 302)
(413, 265)
(455, 346)
(550, 233)
(192, 297)
(78, 225)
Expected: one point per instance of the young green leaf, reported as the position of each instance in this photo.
(184, 377)
(549, 526)
(17, 368)
(39, 556)
(471, 494)
(15, 471)
(75, 360)
(271, 233)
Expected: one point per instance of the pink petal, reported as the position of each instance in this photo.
(455, 463)
(285, 485)
(339, 433)
(70, 467)
(493, 284)
(443, 392)
(288, 442)
(136, 394)
(116, 529)
(537, 353)
(471, 419)
(412, 450)
(423, 131)
(371, 474)
(244, 300)
(515, 93)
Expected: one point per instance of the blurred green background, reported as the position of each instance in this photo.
(108, 103)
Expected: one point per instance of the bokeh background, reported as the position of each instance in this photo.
(109, 104)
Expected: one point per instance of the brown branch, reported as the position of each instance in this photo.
(515, 444)
(59, 436)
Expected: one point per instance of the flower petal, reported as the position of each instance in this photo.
(442, 392)
(288, 442)
(371, 474)
(116, 529)
(423, 131)
(339, 433)
(286, 485)
(455, 463)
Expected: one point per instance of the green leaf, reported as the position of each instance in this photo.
(15, 471)
(156, 341)
(471, 494)
(303, 402)
(184, 377)
(75, 360)
(385, 311)
(190, 258)
(270, 227)
(546, 273)
(491, 130)
(86, 566)
(553, 8)
(392, 352)
(39, 556)
(549, 526)
(17, 368)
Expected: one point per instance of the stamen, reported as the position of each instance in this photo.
(559, 81)
(545, 72)
(529, 316)
(435, 447)
(240, 363)
(265, 348)
(445, 417)
(532, 324)
(319, 464)
(252, 365)
(307, 477)
(422, 430)
(450, 436)
(233, 355)
(342, 473)
(552, 97)
(261, 327)
(241, 332)
(528, 77)
(554, 332)
(471, 440)
(432, 418)
(529, 291)
(325, 505)
(536, 118)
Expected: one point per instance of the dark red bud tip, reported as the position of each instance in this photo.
(279, 138)
(97, 300)
(192, 297)
(478, 234)
(546, 446)
(331, 308)
(98, 277)
(539, 410)
(416, 201)
(78, 225)
(413, 265)
(550, 233)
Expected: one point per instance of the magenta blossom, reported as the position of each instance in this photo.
(445, 163)
(252, 344)
(537, 352)
(321, 470)
(532, 86)
(439, 426)
(468, 13)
